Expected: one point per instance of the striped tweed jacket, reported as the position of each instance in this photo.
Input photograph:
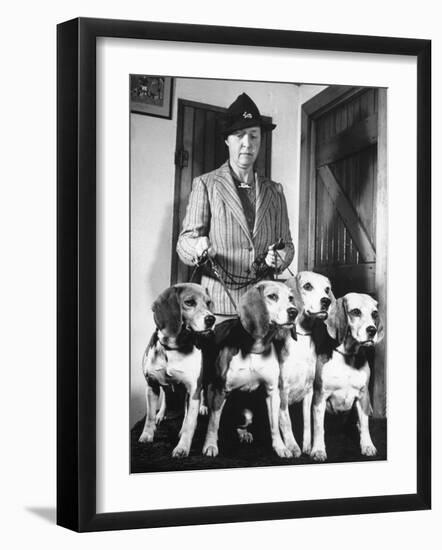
(215, 212)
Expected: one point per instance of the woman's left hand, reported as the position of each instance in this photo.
(275, 258)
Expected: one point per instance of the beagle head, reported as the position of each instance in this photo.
(354, 321)
(313, 294)
(267, 305)
(185, 306)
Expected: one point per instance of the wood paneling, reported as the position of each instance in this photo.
(348, 214)
(347, 141)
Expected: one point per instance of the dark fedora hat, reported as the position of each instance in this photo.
(243, 113)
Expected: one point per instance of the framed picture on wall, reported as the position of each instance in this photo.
(236, 265)
(151, 95)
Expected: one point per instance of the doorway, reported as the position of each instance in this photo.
(343, 199)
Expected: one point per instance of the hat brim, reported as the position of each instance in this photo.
(242, 124)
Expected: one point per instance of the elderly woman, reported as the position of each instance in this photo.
(234, 214)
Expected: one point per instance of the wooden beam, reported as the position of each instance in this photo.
(303, 219)
(311, 225)
(359, 136)
(379, 382)
(328, 99)
(348, 214)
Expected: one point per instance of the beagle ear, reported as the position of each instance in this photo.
(293, 284)
(380, 327)
(167, 312)
(253, 313)
(336, 321)
(332, 298)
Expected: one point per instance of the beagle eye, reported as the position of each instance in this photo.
(375, 315)
(356, 312)
(190, 302)
(307, 286)
(273, 297)
(327, 290)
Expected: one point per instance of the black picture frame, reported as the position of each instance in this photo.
(77, 288)
(151, 95)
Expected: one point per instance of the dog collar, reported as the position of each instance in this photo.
(345, 354)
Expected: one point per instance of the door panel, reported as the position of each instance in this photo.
(346, 168)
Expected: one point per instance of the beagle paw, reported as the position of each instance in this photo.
(282, 451)
(204, 411)
(319, 455)
(210, 450)
(146, 437)
(295, 451)
(244, 436)
(180, 451)
(307, 449)
(368, 450)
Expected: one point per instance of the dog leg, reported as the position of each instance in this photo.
(162, 411)
(318, 452)
(285, 425)
(189, 423)
(273, 405)
(367, 447)
(204, 410)
(217, 399)
(152, 397)
(306, 414)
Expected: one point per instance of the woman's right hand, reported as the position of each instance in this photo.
(203, 246)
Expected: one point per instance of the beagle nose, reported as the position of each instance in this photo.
(292, 313)
(209, 321)
(371, 331)
(325, 302)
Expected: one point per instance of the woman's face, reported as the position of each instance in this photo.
(244, 147)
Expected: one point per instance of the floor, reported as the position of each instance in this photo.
(342, 441)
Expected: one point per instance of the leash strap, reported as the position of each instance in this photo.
(218, 276)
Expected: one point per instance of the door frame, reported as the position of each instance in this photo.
(310, 112)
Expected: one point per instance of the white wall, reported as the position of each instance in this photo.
(153, 142)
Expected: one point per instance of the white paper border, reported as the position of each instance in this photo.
(116, 489)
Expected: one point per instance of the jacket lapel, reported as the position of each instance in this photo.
(263, 199)
(227, 190)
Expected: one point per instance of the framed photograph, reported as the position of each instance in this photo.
(193, 245)
(151, 95)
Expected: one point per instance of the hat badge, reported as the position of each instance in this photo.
(247, 115)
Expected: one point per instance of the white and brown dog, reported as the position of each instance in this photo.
(343, 375)
(182, 314)
(297, 355)
(246, 357)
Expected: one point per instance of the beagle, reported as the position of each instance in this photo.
(182, 315)
(297, 355)
(342, 376)
(246, 357)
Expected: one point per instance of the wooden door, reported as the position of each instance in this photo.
(200, 148)
(342, 231)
